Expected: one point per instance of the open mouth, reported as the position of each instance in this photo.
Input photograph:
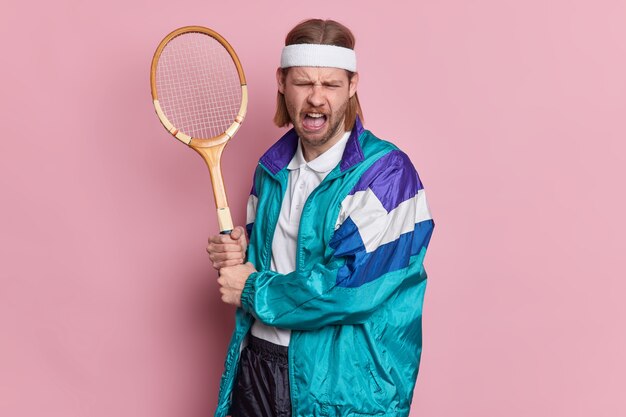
(314, 121)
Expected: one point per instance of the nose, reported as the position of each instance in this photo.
(316, 96)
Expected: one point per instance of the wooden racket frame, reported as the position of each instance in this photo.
(210, 149)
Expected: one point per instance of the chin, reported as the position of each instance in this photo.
(316, 139)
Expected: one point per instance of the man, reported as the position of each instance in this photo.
(331, 297)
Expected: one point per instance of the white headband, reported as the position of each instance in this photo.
(314, 55)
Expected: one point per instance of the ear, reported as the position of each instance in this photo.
(280, 80)
(353, 84)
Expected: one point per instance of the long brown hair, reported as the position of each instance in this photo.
(324, 32)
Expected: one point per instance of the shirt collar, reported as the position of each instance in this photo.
(278, 155)
(323, 163)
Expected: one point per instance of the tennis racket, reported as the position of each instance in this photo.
(200, 95)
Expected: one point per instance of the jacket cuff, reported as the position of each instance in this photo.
(248, 292)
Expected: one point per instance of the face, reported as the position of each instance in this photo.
(317, 99)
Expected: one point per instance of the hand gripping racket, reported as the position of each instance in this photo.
(200, 95)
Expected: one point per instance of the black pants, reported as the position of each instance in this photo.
(262, 385)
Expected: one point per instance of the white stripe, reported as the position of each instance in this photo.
(422, 211)
(377, 226)
(251, 209)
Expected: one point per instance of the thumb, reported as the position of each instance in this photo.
(236, 233)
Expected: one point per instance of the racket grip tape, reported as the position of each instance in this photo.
(224, 220)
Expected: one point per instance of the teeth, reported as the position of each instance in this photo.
(315, 115)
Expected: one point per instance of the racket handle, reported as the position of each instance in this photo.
(224, 220)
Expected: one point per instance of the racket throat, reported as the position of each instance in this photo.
(212, 156)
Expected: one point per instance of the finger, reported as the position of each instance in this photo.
(231, 255)
(236, 233)
(226, 256)
(215, 239)
(231, 262)
(225, 247)
(220, 239)
(244, 234)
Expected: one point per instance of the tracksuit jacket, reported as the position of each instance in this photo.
(354, 302)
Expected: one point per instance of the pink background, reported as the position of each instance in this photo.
(512, 111)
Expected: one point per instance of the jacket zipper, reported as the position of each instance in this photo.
(267, 247)
(267, 253)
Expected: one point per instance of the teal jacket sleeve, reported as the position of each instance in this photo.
(378, 249)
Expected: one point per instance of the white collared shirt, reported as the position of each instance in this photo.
(304, 177)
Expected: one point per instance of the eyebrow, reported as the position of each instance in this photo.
(307, 80)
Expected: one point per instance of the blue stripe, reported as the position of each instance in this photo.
(249, 229)
(347, 240)
(362, 267)
(278, 155)
(353, 154)
(422, 233)
(392, 178)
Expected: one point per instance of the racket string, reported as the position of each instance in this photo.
(198, 85)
